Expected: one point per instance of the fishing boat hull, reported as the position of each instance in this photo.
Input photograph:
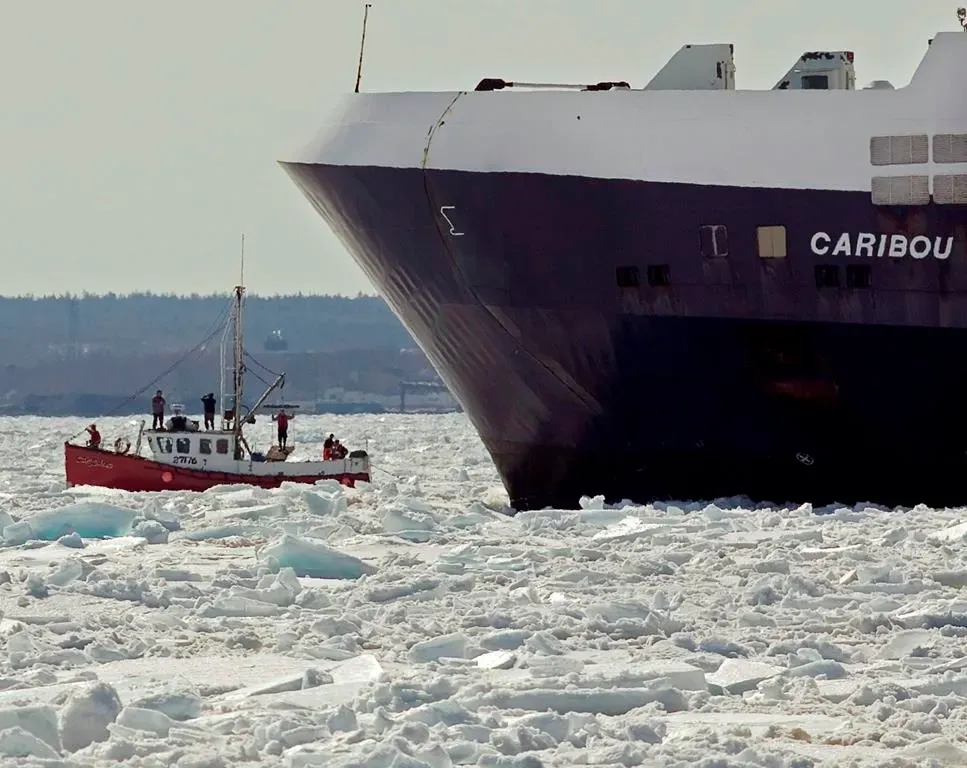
(129, 472)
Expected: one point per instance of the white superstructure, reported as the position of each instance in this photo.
(796, 137)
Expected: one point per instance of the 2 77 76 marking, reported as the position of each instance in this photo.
(453, 229)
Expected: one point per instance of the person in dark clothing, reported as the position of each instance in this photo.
(327, 448)
(208, 401)
(158, 411)
(282, 419)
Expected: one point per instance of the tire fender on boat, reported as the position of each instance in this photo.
(122, 445)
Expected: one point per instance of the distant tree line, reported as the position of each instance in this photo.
(35, 329)
(96, 384)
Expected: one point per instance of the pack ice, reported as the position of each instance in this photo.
(412, 624)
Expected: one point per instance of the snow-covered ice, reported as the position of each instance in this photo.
(409, 623)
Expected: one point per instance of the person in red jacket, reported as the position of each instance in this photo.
(94, 439)
(282, 420)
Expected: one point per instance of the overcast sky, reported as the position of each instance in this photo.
(140, 139)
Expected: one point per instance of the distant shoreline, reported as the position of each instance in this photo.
(334, 409)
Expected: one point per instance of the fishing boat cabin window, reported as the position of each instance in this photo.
(183, 445)
(164, 444)
(221, 446)
(714, 241)
(204, 446)
(772, 242)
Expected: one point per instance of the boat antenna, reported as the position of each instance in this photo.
(239, 291)
(962, 18)
(362, 45)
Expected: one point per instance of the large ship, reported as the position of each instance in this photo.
(683, 291)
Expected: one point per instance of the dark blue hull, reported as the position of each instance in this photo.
(696, 376)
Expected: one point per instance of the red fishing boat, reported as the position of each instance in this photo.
(183, 458)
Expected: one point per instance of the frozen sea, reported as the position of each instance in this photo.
(409, 623)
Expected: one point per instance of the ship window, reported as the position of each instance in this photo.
(859, 276)
(714, 241)
(901, 190)
(183, 445)
(950, 148)
(950, 189)
(815, 82)
(627, 277)
(164, 444)
(659, 274)
(772, 242)
(221, 446)
(205, 446)
(827, 276)
(899, 150)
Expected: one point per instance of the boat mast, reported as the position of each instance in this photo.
(239, 291)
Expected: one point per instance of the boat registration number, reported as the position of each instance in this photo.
(184, 460)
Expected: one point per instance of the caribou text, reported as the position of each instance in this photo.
(869, 245)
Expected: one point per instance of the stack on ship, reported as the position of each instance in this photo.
(680, 291)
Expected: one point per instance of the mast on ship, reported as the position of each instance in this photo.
(362, 45)
(237, 394)
(232, 401)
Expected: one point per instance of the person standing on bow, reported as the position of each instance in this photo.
(158, 411)
(94, 437)
(282, 419)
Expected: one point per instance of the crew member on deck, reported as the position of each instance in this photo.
(282, 419)
(94, 441)
(327, 448)
(208, 401)
(158, 411)
(339, 451)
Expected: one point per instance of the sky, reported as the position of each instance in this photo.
(138, 140)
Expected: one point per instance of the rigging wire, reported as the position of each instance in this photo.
(194, 350)
(269, 371)
(268, 384)
(253, 373)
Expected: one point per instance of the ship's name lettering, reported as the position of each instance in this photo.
(184, 460)
(98, 463)
(870, 245)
